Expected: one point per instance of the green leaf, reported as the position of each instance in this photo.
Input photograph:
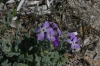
(6, 45)
(15, 64)
(14, 12)
(21, 64)
(29, 58)
(57, 55)
(37, 59)
(26, 35)
(1, 57)
(12, 54)
(21, 57)
(30, 48)
(5, 63)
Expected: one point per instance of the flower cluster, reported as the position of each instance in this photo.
(73, 40)
(48, 30)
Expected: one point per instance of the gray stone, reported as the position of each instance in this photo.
(89, 11)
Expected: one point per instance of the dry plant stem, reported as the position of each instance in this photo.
(83, 36)
(64, 7)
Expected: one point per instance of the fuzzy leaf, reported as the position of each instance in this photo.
(29, 57)
(21, 64)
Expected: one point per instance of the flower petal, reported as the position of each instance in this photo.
(50, 37)
(40, 36)
(69, 41)
(53, 38)
(46, 24)
(50, 31)
(75, 39)
(71, 35)
(38, 29)
(73, 46)
(54, 25)
(77, 46)
(59, 32)
(55, 43)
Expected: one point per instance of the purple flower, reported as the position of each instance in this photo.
(55, 43)
(72, 35)
(52, 37)
(54, 25)
(42, 29)
(73, 41)
(50, 34)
